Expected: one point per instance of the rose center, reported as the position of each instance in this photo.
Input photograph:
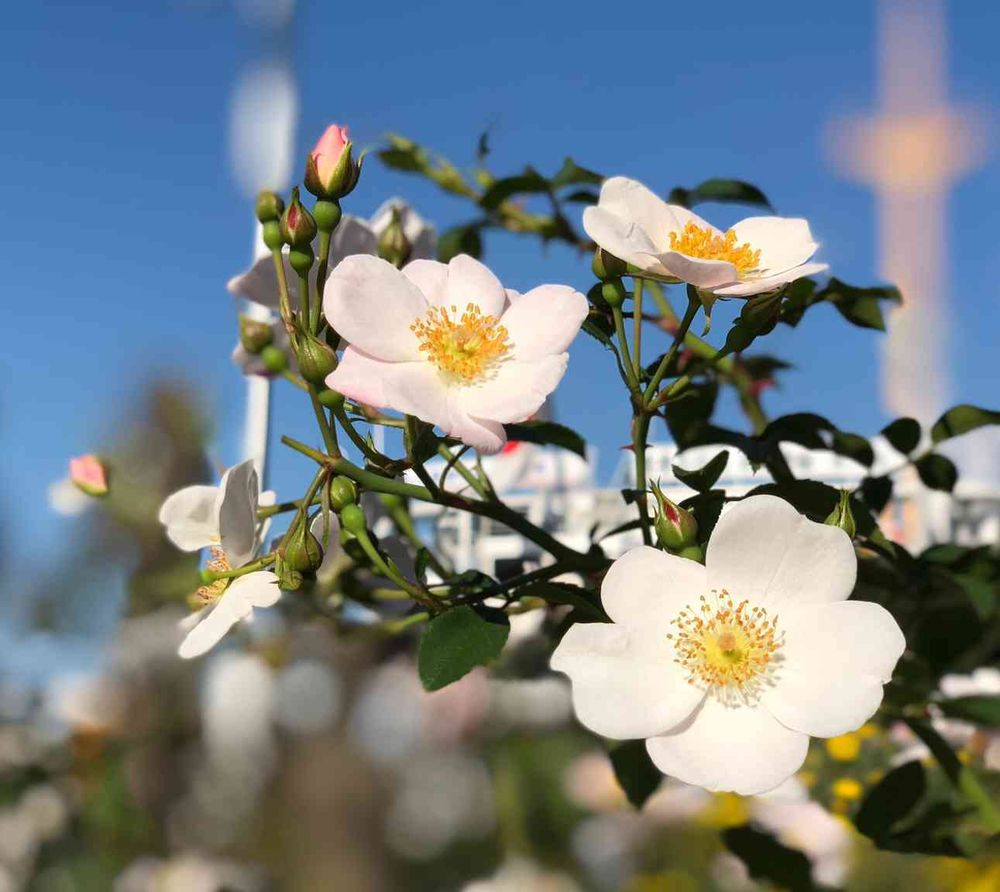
(725, 649)
(703, 243)
(209, 594)
(464, 347)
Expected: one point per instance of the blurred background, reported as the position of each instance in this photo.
(136, 135)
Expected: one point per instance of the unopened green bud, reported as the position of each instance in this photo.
(269, 207)
(289, 579)
(343, 492)
(274, 359)
(316, 360)
(298, 228)
(302, 551)
(332, 399)
(614, 293)
(352, 519)
(393, 245)
(255, 335)
(301, 259)
(272, 235)
(693, 553)
(676, 529)
(842, 516)
(327, 214)
(606, 266)
(331, 172)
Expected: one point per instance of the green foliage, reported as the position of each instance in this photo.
(903, 434)
(721, 190)
(768, 860)
(457, 641)
(960, 420)
(702, 479)
(859, 306)
(937, 471)
(981, 710)
(635, 771)
(548, 433)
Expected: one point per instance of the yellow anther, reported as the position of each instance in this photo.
(702, 242)
(464, 347)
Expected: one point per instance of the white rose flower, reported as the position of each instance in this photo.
(447, 343)
(727, 669)
(222, 518)
(758, 254)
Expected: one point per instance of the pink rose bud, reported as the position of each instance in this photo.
(330, 171)
(89, 475)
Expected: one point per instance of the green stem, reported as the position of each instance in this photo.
(626, 359)
(292, 378)
(637, 289)
(403, 520)
(284, 301)
(388, 569)
(671, 354)
(494, 510)
(360, 442)
(328, 430)
(304, 298)
(321, 270)
(640, 426)
(252, 567)
(467, 475)
(411, 434)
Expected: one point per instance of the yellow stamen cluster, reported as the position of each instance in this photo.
(209, 594)
(726, 649)
(702, 242)
(464, 347)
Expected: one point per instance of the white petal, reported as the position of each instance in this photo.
(431, 278)
(487, 437)
(352, 236)
(622, 237)
(515, 391)
(646, 588)
(416, 388)
(625, 683)
(762, 550)
(260, 283)
(191, 518)
(749, 287)
(835, 659)
(259, 589)
(783, 242)
(469, 281)
(372, 305)
(544, 321)
(740, 749)
(630, 200)
(238, 513)
(699, 272)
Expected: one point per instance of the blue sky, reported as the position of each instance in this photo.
(123, 222)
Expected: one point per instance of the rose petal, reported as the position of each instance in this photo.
(544, 321)
(431, 278)
(742, 749)
(749, 287)
(258, 589)
(191, 517)
(625, 684)
(783, 242)
(515, 391)
(646, 588)
(238, 513)
(762, 550)
(469, 281)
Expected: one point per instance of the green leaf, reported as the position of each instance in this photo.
(547, 433)
(530, 181)
(721, 190)
(599, 327)
(876, 491)
(890, 801)
(635, 771)
(962, 419)
(571, 174)
(982, 594)
(768, 860)
(460, 240)
(581, 196)
(937, 472)
(860, 306)
(564, 593)
(688, 418)
(805, 428)
(706, 508)
(981, 710)
(704, 478)
(457, 641)
(903, 434)
(758, 316)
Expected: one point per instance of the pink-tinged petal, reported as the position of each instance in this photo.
(416, 388)
(625, 684)
(742, 749)
(543, 321)
(328, 149)
(470, 282)
(238, 513)
(646, 588)
(515, 391)
(750, 287)
(762, 550)
(431, 278)
(352, 236)
(623, 238)
(89, 475)
(258, 589)
(260, 283)
(698, 272)
(834, 660)
(372, 305)
(191, 517)
(633, 202)
(488, 437)
(783, 242)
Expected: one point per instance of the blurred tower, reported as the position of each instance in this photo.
(910, 152)
(262, 120)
